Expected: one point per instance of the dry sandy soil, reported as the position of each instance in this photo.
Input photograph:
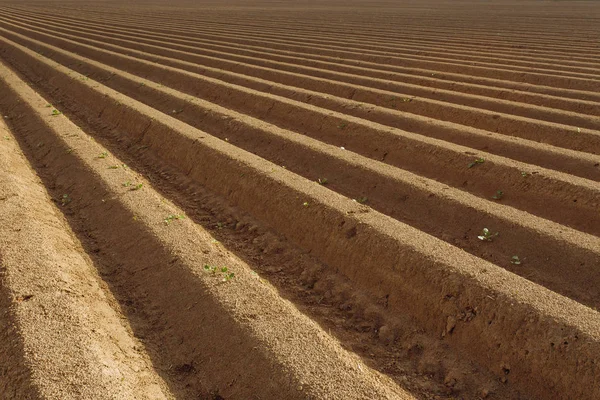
(300, 199)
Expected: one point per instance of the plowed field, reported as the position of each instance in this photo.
(300, 199)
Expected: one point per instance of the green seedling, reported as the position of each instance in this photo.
(103, 155)
(48, 105)
(486, 235)
(65, 199)
(322, 181)
(342, 125)
(173, 217)
(138, 186)
(210, 268)
(477, 161)
(363, 200)
(524, 174)
(55, 112)
(6, 138)
(515, 260)
(305, 204)
(227, 276)
(499, 194)
(113, 167)
(127, 184)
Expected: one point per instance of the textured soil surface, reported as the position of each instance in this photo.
(299, 200)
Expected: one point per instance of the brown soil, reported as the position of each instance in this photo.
(198, 142)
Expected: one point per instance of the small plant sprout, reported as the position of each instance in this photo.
(322, 181)
(6, 138)
(524, 174)
(138, 186)
(55, 112)
(362, 200)
(113, 167)
(515, 260)
(103, 155)
(127, 184)
(210, 268)
(48, 105)
(486, 235)
(173, 217)
(227, 276)
(65, 199)
(477, 161)
(305, 204)
(342, 125)
(499, 194)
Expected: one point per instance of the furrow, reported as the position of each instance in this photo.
(396, 193)
(304, 77)
(421, 38)
(53, 307)
(440, 36)
(303, 200)
(397, 148)
(422, 74)
(395, 261)
(574, 80)
(417, 55)
(554, 134)
(182, 294)
(407, 48)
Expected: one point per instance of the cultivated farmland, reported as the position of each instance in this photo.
(300, 199)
